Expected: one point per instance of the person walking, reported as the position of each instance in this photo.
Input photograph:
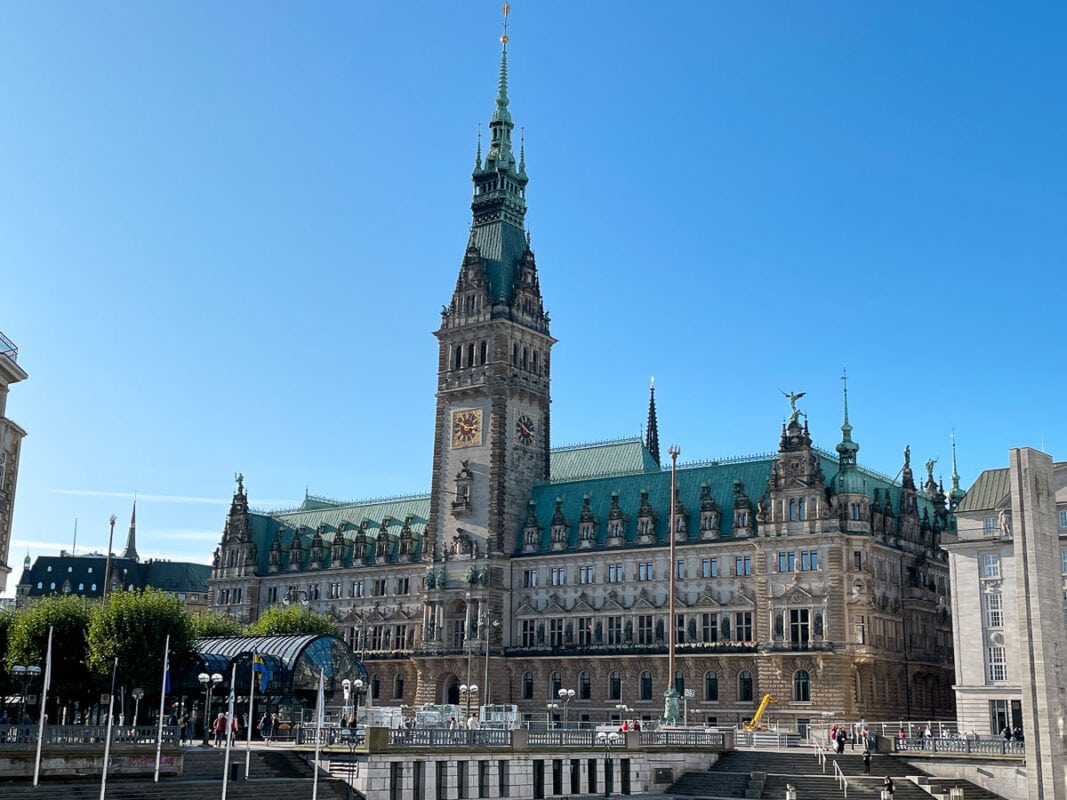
(218, 727)
(866, 762)
(887, 788)
(265, 727)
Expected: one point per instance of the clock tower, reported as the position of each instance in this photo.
(492, 425)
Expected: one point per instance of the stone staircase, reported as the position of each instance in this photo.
(279, 774)
(765, 774)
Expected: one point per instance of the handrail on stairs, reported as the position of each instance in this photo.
(820, 752)
(842, 781)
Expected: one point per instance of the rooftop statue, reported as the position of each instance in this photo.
(793, 397)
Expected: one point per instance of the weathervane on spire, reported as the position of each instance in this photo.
(505, 10)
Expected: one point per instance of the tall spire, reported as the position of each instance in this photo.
(131, 537)
(498, 227)
(652, 432)
(955, 493)
(846, 448)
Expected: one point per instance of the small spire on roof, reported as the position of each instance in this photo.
(652, 435)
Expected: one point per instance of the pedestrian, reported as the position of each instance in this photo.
(218, 727)
(887, 787)
(453, 727)
(867, 762)
(472, 723)
(235, 729)
(265, 727)
(183, 728)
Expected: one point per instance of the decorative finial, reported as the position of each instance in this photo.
(652, 383)
(478, 150)
(505, 10)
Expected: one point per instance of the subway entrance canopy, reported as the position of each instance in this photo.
(293, 661)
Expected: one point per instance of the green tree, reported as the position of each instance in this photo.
(210, 625)
(133, 626)
(28, 644)
(7, 619)
(293, 619)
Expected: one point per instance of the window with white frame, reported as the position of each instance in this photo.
(529, 632)
(709, 568)
(991, 565)
(645, 572)
(614, 626)
(679, 568)
(645, 630)
(1063, 561)
(787, 562)
(989, 526)
(585, 574)
(615, 573)
(743, 565)
(994, 613)
(529, 578)
(809, 560)
(998, 665)
(555, 632)
(559, 576)
(1063, 519)
(709, 627)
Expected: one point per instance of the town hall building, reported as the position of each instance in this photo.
(530, 568)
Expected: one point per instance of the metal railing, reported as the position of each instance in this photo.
(7, 348)
(959, 744)
(820, 753)
(438, 737)
(842, 781)
(85, 734)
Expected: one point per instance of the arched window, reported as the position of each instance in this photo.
(527, 686)
(457, 357)
(585, 688)
(555, 683)
(646, 685)
(711, 687)
(484, 352)
(615, 686)
(744, 687)
(801, 686)
(470, 354)
(398, 687)
(802, 510)
(792, 510)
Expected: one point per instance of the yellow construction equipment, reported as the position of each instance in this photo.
(753, 724)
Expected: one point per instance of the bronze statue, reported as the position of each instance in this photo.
(907, 455)
(793, 397)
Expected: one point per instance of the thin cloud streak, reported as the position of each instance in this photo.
(167, 498)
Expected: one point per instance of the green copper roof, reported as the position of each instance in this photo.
(990, 491)
(502, 247)
(604, 458)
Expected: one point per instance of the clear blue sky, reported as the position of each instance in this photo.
(226, 232)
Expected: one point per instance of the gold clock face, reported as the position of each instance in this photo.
(525, 427)
(467, 428)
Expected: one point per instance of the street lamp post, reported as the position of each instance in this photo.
(24, 675)
(469, 689)
(609, 773)
(209, 682)
(107, 564)
(670, 697)
(137, 695)
(346, 687)
(487, 626)
(549, 708)
(566, 695)
(359, 689)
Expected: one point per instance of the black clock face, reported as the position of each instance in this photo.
(524, 430)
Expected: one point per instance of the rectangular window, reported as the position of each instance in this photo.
(1063, 519)
(615, 573)
(989, 526)
(459, 630)
(679, 628)
(994, 614)
(861, 629)
(709, 568)
(743, 565)
(645, 630)
(555, 632)
(403, 585)
(998, 667)
(614, 626)
(787, 562)
(857, 559)
(799, 626)
(709, 627)
(809, 560)
(378, 587)
(503, 774)
(585, 630)
(743, 626)
(402, 637)
(1063, 561)
(335, 590)
(357, 588)
(644, 571)
(529, 633)
(585, 574)
(461, 779)
(559, 576)
(991, 565)
(679, 573)
(529, 578)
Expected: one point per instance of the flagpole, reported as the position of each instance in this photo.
(251, 717)
(44, 705)
(162, 704)
(320, 707)
(110, 722)
(229, 732)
